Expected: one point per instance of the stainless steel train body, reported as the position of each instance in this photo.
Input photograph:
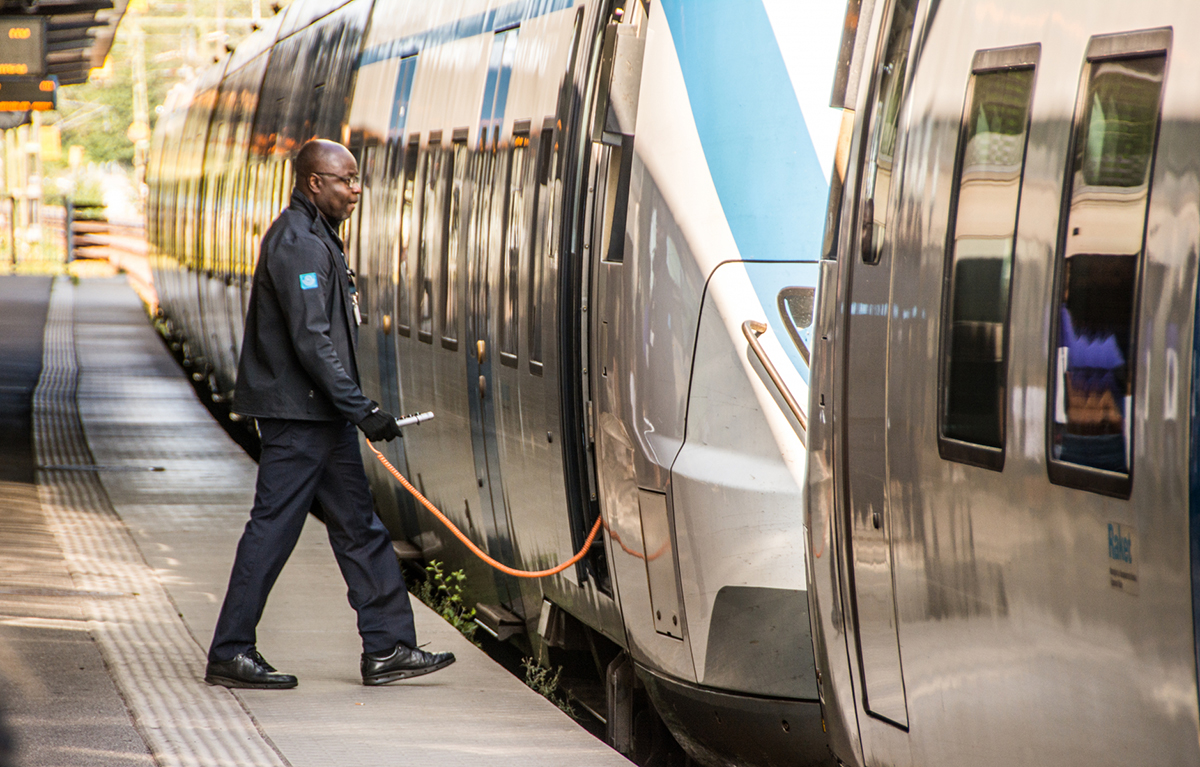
(1003, 482)
(588, 240)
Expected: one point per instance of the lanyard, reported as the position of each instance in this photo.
(349, 272)
(353, 291)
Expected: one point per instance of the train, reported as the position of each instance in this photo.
(1003, 489)
(589, 240)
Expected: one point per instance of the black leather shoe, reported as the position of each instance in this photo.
(402, 663)
(248, 671)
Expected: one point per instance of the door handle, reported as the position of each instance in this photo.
(752, 329)
(481, 351)
(482, 387)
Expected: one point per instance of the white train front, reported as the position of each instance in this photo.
(588, 240)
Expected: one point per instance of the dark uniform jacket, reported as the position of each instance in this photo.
(298, 351)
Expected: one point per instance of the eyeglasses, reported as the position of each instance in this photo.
(351, 180)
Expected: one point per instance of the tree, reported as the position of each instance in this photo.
(180, 41)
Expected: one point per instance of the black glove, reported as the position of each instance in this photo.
(379, 425)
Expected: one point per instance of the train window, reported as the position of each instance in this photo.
(431, 172)
(456, 216)
(495, 90)
(515, 239)
(386, 227)
(1100, 251)
(983, 224)
(368, 237)
(482, 235)
(885, 123)
(796, 306)
(544, 208)
(408, 193)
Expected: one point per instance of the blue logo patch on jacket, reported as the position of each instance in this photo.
(308, 281)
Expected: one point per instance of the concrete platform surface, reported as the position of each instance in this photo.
(146, 497)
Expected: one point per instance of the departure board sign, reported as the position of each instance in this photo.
(21, 94)
(22, 46)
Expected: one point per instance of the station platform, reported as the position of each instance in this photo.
(114, 557)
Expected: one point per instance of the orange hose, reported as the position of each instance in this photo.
(467, 541)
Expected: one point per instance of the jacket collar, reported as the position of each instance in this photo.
(306, 206)
(303, 204)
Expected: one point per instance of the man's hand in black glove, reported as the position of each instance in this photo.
(380, 425)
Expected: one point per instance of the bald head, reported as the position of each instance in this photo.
(327, 174)
(317, 156)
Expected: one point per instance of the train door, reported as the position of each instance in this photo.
(485, 240)
(382, 168)
(865, 398)
(361, 244)
(610, 330)
(387, 245)
(568, 277)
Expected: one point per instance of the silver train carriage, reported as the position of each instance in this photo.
(1004, 487)
(588, 240)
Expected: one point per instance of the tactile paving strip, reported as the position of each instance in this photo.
(154, 659)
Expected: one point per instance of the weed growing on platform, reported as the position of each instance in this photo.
(443, 593)
(545, 683)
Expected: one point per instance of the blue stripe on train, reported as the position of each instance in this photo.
(759, 152)
(757, 145)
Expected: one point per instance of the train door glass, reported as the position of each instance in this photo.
(866, 382)
(515, 244)
(408, 191)
(879, 162)
(365, 261)
(353, 226)
(431, 235)
(1100, 252)
(385, 258)
(457, 211)
(385, 245)
(485, 243)
(364, 243)
(547, 175)
(987, 190)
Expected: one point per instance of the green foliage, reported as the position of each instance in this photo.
(97, 115)
(443, 593)
(542, 680)
(179, 42)
(88, 191)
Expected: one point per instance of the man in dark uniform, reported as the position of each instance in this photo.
(299, 378)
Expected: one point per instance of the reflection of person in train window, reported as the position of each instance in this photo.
(1095, 381)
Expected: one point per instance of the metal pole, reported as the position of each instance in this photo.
(68, 227)
(36, 202)
(6, 184)
(21, 190)
(12, 230)
(141, 110)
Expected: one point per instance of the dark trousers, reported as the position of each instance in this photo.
(303, 460)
